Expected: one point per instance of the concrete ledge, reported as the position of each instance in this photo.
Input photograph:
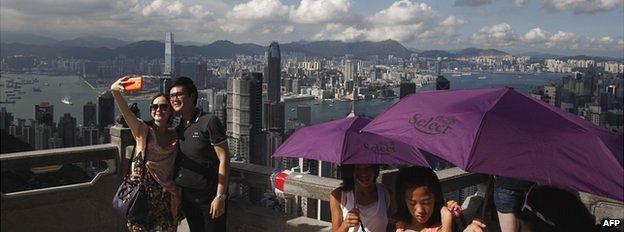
(29, 159)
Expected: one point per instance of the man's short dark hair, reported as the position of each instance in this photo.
(187, 84)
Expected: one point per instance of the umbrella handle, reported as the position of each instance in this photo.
(355, 207)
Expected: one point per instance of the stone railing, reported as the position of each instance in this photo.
(87, 206)
(75, 207)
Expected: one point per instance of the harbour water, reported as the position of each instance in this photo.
(54, 88)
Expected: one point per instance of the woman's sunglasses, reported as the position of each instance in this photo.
(163, 107)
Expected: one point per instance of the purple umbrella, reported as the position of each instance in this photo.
(500, 131)
(341, 142)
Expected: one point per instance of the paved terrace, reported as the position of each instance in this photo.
(87, 206)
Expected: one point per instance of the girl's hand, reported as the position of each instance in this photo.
(135, 177)
(119, 84)
(450, 210)
(476, 226)
(454, 208)
(400, 226)
(352, 219)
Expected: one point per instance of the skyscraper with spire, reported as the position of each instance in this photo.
(273, 108)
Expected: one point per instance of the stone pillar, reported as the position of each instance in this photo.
(122, 138)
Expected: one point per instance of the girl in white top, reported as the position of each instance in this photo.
(360, 204)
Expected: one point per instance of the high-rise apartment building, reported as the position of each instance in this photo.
(44, 113)
(89, 114)
(106, 111)
(67, 130)
(244, 117)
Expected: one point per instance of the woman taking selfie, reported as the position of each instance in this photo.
(155, 150)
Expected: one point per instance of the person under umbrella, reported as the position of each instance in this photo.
(360, 204)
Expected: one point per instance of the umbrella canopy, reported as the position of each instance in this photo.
(341, 142)
(501, 131)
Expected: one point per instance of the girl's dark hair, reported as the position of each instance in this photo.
(414, 177)
(559, 206)
(346, 175)
(151, 122)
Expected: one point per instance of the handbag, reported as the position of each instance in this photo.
(131, 200)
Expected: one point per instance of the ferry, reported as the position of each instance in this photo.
(65, 100)
(482, 77)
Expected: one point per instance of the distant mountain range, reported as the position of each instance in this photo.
(102, 48)
(85, 41)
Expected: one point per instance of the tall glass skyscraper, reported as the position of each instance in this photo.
(169, 54)
(273, 72)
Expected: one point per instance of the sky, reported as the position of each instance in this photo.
(592, 27)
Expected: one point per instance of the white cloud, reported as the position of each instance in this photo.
(582, 6)
(198, 12)
(452, 21)
(337, 31)
(536, 36)
(175, 9)
(320, 11)
(162, 8)
(404, 12)
(568, 40)
(499, 35)
(472, 2)
(404, 21)
(255, 13)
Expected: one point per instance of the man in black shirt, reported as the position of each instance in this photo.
(203, 162)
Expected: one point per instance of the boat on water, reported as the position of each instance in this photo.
(456, 75)
(65, 100)
(466, 74)
(482, 77)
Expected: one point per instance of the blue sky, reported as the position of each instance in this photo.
(593, 27)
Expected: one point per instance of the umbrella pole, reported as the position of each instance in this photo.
(488, 195)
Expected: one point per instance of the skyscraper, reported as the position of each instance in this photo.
(244, 117)
(90, 136)
(273, 73)
(88, 114)
(169, 54)
(201, 75)
(106, 110)
(44, 113)
(67, 130)
(6, 119)
(349, 70)
(273, 123)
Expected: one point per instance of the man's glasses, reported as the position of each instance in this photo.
(177, 95)
(163, 107)
(527, 207)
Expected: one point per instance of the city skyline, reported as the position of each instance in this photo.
(552, 26)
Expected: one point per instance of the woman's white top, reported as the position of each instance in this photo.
(373, 216)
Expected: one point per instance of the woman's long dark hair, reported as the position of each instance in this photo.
(151, 122)
(414, 177)
(559, 206)
(346, 175)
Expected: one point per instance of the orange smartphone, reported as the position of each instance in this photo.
(136, 84)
